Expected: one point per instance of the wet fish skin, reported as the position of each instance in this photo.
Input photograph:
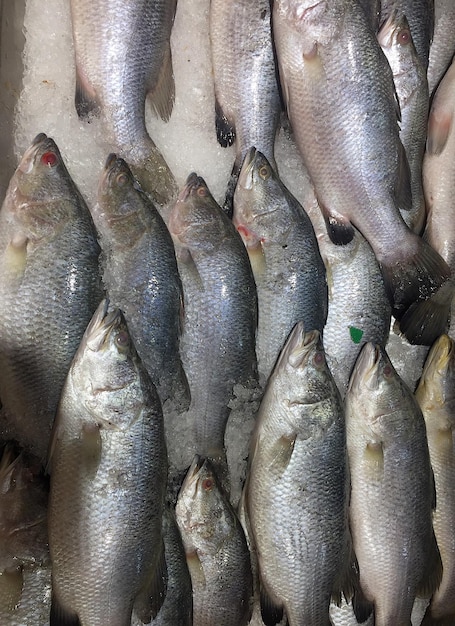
(108, 479)
(141, 276)
(435, 395)
(122, 52)
(411, 84)
(333, 74)
(298, 469)
(49, 289)
(390, 480)
(287, 266)
(443, 45)
(372, 10)
(216, 550)
(220, 311)
(248, 105)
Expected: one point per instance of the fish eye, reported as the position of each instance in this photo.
(264, 172)
(318, 360)
(201, 191)
(207, 484)
(404, 37)
(122, 341)
(49, 158)
(388, 371)
(121, 179)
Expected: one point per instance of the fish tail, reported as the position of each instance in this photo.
(60, 616)
(413, 286)
(154, 175)
(429, 620)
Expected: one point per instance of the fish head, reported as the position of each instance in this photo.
(196, 220)
(203, 514)
(436, 389)
(395, 39)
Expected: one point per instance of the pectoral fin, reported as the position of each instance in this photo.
(61, 616)
(225, 131)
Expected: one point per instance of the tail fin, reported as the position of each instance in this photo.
(154, 175)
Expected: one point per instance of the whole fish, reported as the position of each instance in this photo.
(359, 310)
(108, 480)
(216, 550)
(247, 108)
(436, 397)
(287, 266)
(334, 76)
(411, 85)
(443, 45)
(49, 289)
(391, 490)
(218, 343)
(122, 53)
(25, 568)
(141, 276)
(420, 17)
(297, 487)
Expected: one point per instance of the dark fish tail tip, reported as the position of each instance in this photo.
(59, 616)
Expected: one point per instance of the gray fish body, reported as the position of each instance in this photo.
(108, 479)
(372, 10)
(443, 45)
(216, 549)
(246, 88)
(359, 310)
(391, 490)
(122, 49)
(296, 489)
(436, 397)
(49, 288)
(420, 16)
(337, 83)
(141, 277)
(411, 86)
(289, 274)
(218, 343)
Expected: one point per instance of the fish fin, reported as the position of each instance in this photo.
(14, 260)
(11, 584)
(429, 620)
(439, 124)
(154, 176)
(150, 599)
(60, 616)
(162, 96)
(91, 445)
(339, 229)
(414, 277)
(433, 574)
(225, 131)
(282, 452)
(423, 322)
(228, 204)
(347, 579)
(271, 613)
(85, 99)
(196, 570)
(403, 194)
(362, 607)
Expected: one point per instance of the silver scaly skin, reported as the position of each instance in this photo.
(443, 45)
(108, 467)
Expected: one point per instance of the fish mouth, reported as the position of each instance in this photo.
(112, 167)
(245, 179)
(192, 185)
(298, 346)
(439, 357)
(41, 144)
(101, 325)
(194, 470)
(395, 23)
(365, 372)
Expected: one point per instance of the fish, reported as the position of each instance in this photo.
(420, 17)
(122, 53)
(25, 567)
(435, 395)
(442, 46)
(216, 549)
(141, 277)
(358, 310)
(247, 99)
(297, 470)
(392, 492)
(411, 84)
(334, 75)
(220, 313)
(49, 289)
(108, 473)
(372, 10)
(288, 269)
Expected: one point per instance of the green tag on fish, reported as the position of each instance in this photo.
(356, 334)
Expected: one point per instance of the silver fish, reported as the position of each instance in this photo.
(287, 266)
(443, 45)
(436, 397)
(141, 276)
(411, 86)
(220, 311)
(216, 550)
(49, 289)
(391, 490)
(247, 108)
(334, 75)
(108, 479)
(298, 470)
(122, 52)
